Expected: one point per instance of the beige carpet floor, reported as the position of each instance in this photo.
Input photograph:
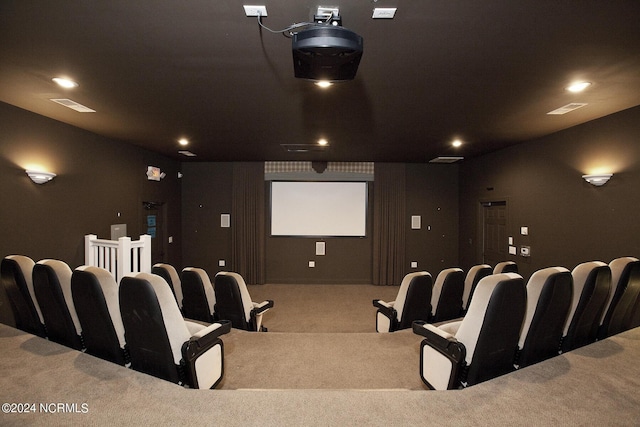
(277, 360)
(321, 337)
(321, 308)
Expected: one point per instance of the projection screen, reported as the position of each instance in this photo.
(318, 209)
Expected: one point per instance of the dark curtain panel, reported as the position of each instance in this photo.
(247, 222)
(389, 222)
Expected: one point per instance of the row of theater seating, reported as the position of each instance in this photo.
(419, 298)
(228, 298)
(135, 323)
(509, 325)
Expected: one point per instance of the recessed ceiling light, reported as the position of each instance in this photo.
(456, 143)
(578, 86)
(323, 84)
(65, 83)
(322, 141)
(183, 141)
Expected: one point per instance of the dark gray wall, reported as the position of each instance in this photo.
(569, 220)
(206, 195)
(97, 179)
(432, 192)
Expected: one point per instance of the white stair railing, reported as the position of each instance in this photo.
(122, 257)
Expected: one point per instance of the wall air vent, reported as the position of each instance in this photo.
(567, 108)
(304, 148)
(446, 159)
(73, 105)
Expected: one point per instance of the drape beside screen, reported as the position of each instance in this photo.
(248, 222)
(389, 224)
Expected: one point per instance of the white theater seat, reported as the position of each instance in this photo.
(625, 291)
(95, 296)
(412, 303)
(474, 275)
(591, 287)
(549, 293)
(52, 285)
(170, 275)
(505, 267)
(17, 278)
(161, 343)
(446, 298)
(233, 302)
(482, 345)
(198, 298)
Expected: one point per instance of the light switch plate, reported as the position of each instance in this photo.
(221, 263)
(414, 264)
(513, 250)
(524, 231)
(384, 12)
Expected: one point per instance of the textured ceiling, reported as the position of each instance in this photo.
(486, 72)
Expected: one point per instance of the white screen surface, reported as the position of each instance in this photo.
(318, 208)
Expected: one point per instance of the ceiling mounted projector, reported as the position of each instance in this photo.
(326, 52)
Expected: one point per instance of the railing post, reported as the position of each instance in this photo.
(88, 249)
(124, 257)
(145, 255)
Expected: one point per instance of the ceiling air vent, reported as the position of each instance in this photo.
(567, 108)
(186, 153)
(446, 159)
(304, 148)
(73, 105)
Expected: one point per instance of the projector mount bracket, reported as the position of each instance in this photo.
(328, 15)
(324, 16)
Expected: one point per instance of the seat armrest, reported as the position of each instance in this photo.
(262, 307)
(206, 337)
(440, 340)
(206, 346)
(437, 337)
(385, 308)
(441, 357)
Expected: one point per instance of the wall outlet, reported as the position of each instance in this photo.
(221, 263)
(255, 10)
(170, 239)
(312, 264)
(414, 264)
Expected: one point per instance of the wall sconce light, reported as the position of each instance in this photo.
(40, 177)
(597, 179)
